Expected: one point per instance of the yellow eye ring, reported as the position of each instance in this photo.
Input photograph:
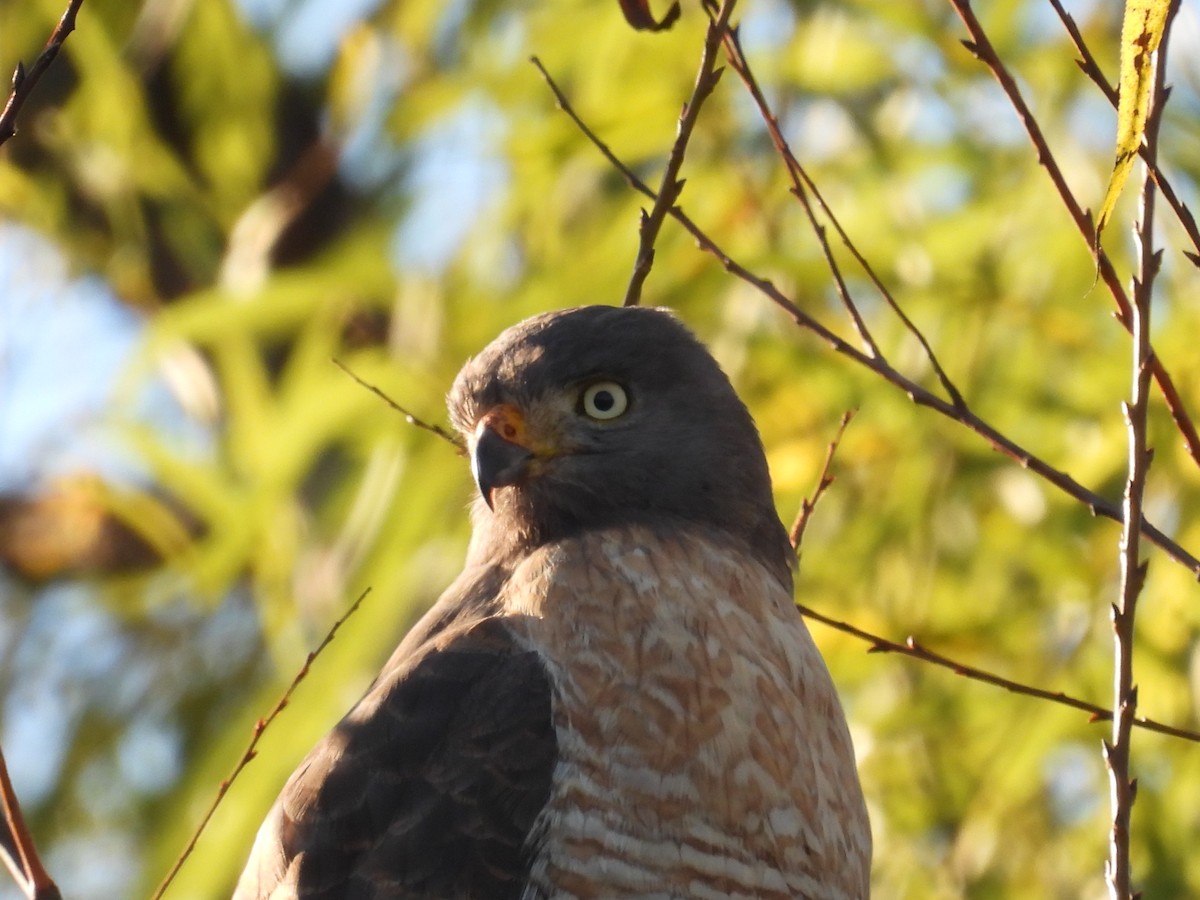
(604, 400)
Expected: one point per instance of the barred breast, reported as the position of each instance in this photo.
(703, 752)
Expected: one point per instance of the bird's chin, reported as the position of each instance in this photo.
(527, 515)
(511, 509)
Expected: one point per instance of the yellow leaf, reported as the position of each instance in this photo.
(1140, 35)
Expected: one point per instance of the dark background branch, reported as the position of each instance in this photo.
(25, 80)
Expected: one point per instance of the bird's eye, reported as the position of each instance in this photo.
(604, 400)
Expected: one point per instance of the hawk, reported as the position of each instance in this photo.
(617, 697)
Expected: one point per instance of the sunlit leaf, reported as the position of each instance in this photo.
(1141, 32)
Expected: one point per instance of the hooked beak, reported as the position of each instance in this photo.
(499, 455)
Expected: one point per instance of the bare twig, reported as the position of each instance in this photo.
(824, 480)
(671, 186)
(913, 650)
(26, 868)
(802, 185)
(24, 81)
(1122, 786)
(408, 417)
(1095, 503)
(981, 47)
(564, 104)
(251, 749)
(1087, 63)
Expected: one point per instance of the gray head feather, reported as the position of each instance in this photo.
(685, 453)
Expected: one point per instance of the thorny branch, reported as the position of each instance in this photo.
(802, 186)
(914, 650)
(1087, 63)
(800, 189)
(17, 847)
(671, 186)
(981, 47)
(1117, 754)
(1000, 442)
(24, 81)
(252, 748)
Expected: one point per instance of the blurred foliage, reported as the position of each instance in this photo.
(395, 199)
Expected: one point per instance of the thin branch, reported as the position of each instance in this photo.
(802, 185)
(1087, 63)
(23, 82)
(824, 480)
(26, 869)
(982, 49)
(800, 182)
(800, 190)
(408, 417)
(564, 104)
(1095, 503)
(913, 650)
(251, 749)
(671, 185)
(1117, 754)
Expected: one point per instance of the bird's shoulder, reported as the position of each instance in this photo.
(429, 786)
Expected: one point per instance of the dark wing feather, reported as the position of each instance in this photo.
(428, 788)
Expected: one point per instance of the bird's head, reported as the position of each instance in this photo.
(602, 416)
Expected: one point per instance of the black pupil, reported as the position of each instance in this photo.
(603, 401)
